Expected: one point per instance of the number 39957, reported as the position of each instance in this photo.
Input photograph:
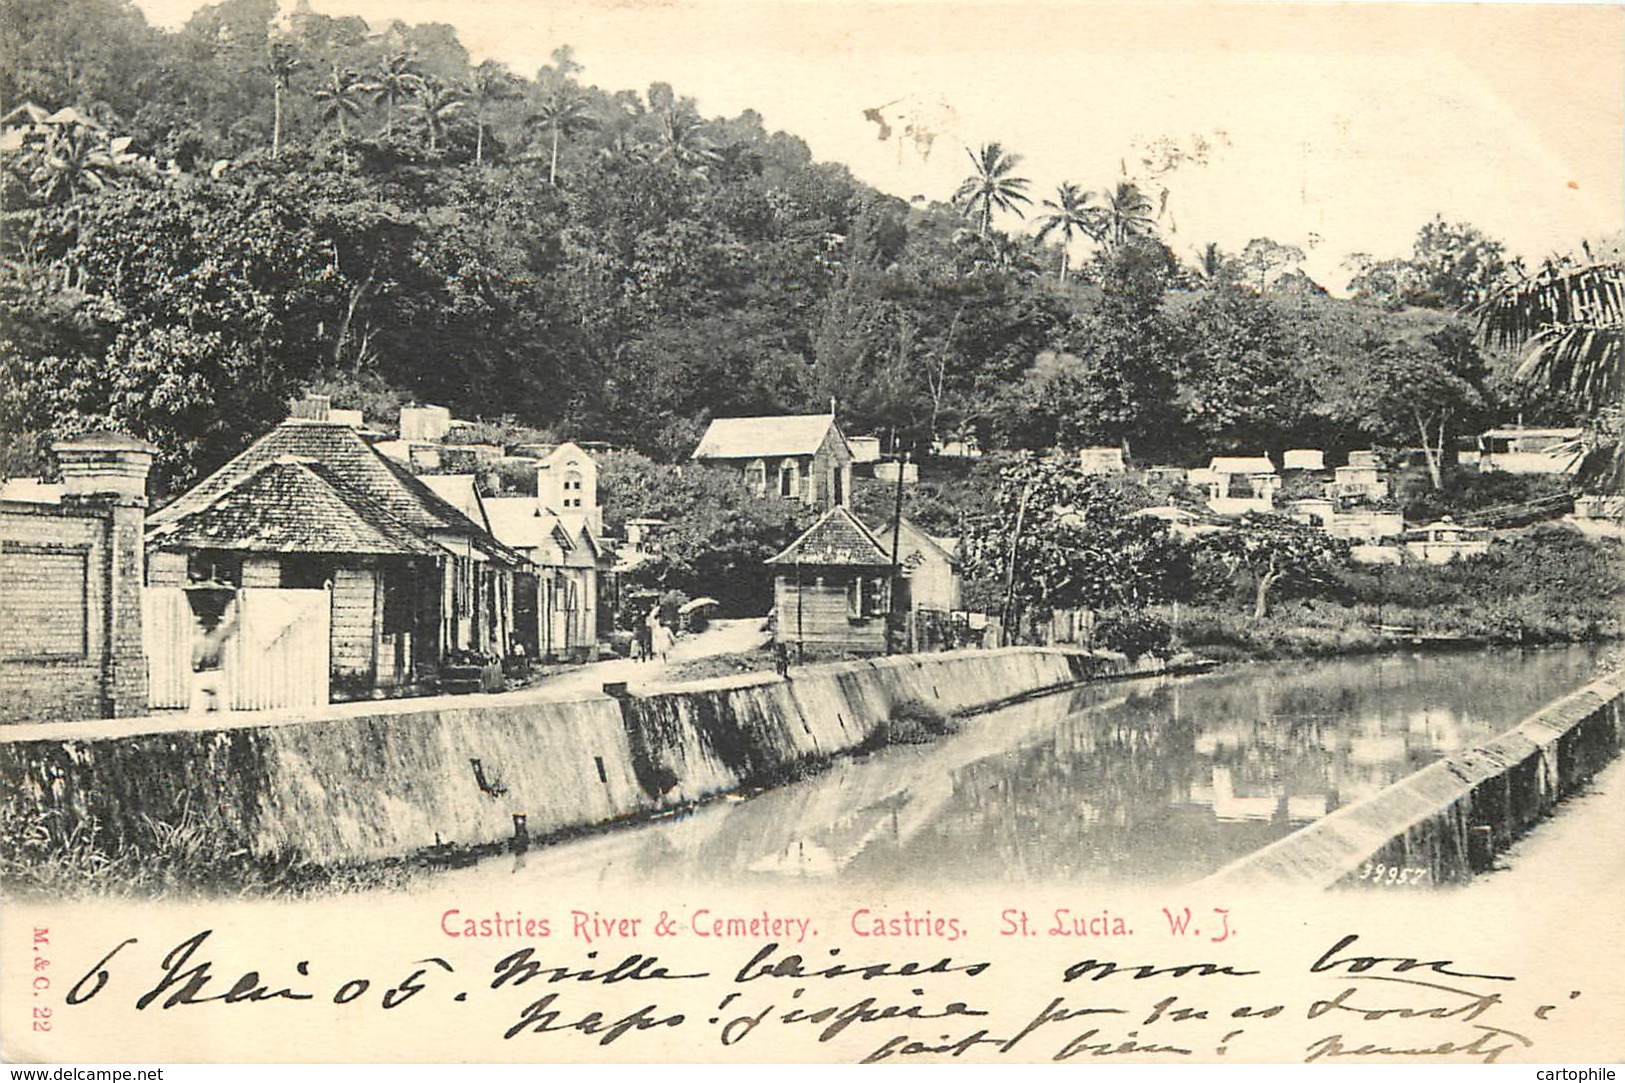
(1384, 875)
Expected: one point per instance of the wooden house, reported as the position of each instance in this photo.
(833, 586)
(928, 569)
(415, 581)
(795, 456)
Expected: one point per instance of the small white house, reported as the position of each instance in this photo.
(1238, 484)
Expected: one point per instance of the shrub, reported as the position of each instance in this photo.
(912, 722)
(1133, 633)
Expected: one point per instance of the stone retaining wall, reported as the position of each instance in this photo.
(368, 782)
(1453, 816)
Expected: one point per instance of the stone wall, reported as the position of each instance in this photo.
(370, 781)
(1446, 822)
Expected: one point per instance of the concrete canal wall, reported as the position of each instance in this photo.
(366, 782)
(1447, 821)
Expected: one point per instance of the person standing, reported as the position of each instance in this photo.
(211, 686)
(660, 637)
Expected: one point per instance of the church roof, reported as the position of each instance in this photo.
(763, 437)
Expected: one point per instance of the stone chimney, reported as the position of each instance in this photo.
(107, 470)
(312, 408)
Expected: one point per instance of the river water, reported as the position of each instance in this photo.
(1146, 781)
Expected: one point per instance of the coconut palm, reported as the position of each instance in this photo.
(991, 187)
(1126, 213)
(491, 83)
(684, 139)
(281, 64)
(562, 112)
(437, 104)
(398, 79)
(1571, 321)
(339, 99)
(1070, 215)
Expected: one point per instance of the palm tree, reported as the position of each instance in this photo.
(76, 158)
(1069, 215)
(684, 139)
(1126, 213)
(282, 64)
(437, 103)
(492, 82)
(991, 187)
(1571, 320)
(562, 112)
(398, 79)
(337, 100)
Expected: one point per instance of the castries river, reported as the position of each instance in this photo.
(1148, 781)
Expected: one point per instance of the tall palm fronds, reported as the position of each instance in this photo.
(491, 82)
(1069, 215)
(281, 64)
(991, 187)
(684, 140)
(340, 99)
(437, 104)
(1126, 213)
(1572, 322)
(398, 79)
(562, 112)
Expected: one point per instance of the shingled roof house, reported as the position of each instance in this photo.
(833, 586)
(311, 504)
(796, 456)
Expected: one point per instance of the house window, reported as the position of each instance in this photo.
(875, 598)
(756, 477)
(572, 489)
(854, 598)
(789, 479)
(215, 567)
(837, 486)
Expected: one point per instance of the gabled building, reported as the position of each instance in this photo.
(1238, 484)
(833, 586)
(795, 456)
(928, 569)
(414, 580)
(558, 596)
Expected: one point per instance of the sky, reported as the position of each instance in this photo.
(1339, 128)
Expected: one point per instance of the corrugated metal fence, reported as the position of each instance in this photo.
(277, 656)
(168, 629)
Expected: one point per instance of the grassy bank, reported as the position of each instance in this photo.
(1547, 585)
(39, 857)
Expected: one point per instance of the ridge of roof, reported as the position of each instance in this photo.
(839, 550)
(768, 435)
(288, 505)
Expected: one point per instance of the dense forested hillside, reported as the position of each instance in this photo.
(251, 206)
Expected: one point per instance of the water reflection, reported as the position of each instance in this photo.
(1155, 781)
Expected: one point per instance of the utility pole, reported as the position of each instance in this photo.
(1010, 570)
(896, 526)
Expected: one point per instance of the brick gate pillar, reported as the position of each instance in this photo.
(109, 470)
